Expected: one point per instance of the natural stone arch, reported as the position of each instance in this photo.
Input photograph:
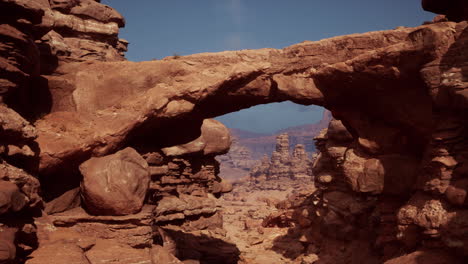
(99, 105)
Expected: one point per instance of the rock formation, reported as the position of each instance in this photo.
(115, 184)
(261, 144)
(247, 146)
(237, 163)
(391, 176)
(300, 163)
(280, 159)
(282, 164)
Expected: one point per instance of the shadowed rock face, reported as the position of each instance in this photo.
(455, 10)
(397, 154)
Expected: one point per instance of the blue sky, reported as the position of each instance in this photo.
(158, 28)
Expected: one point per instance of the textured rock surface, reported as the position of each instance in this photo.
(78, 237)
(214, 140)
(178, 208)
(28, 184)
(246, 84)
(115, 184)
(69, 200)
(11, 199)
(7, 244)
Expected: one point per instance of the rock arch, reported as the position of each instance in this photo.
(399, 93)
(373, 78)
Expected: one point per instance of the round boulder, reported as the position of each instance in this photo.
(115, 184)
(11, 199)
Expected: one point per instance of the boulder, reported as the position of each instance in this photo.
(27, 184)
(115, 184)
(215, 139)
(7, 246)
(11, 199)
(338, 132)
(364, 174)
(15, 127)
(66, 201)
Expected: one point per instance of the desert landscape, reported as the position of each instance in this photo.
(109, 161)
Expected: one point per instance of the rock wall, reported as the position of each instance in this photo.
(106, 208)
(39, 36)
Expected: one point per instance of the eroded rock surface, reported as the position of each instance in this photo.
(116, 184)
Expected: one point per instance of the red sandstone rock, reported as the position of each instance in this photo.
(7, 246)
(161, 102)
(160, 255)
(112, 252)
(115, 184)
(214, 140)
(178, 208)
(67, 201)
(15, 127)
(457, 192)
(28, 185)
(11, 199)
(59, 253)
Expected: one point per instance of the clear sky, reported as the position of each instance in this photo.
(160, 28)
